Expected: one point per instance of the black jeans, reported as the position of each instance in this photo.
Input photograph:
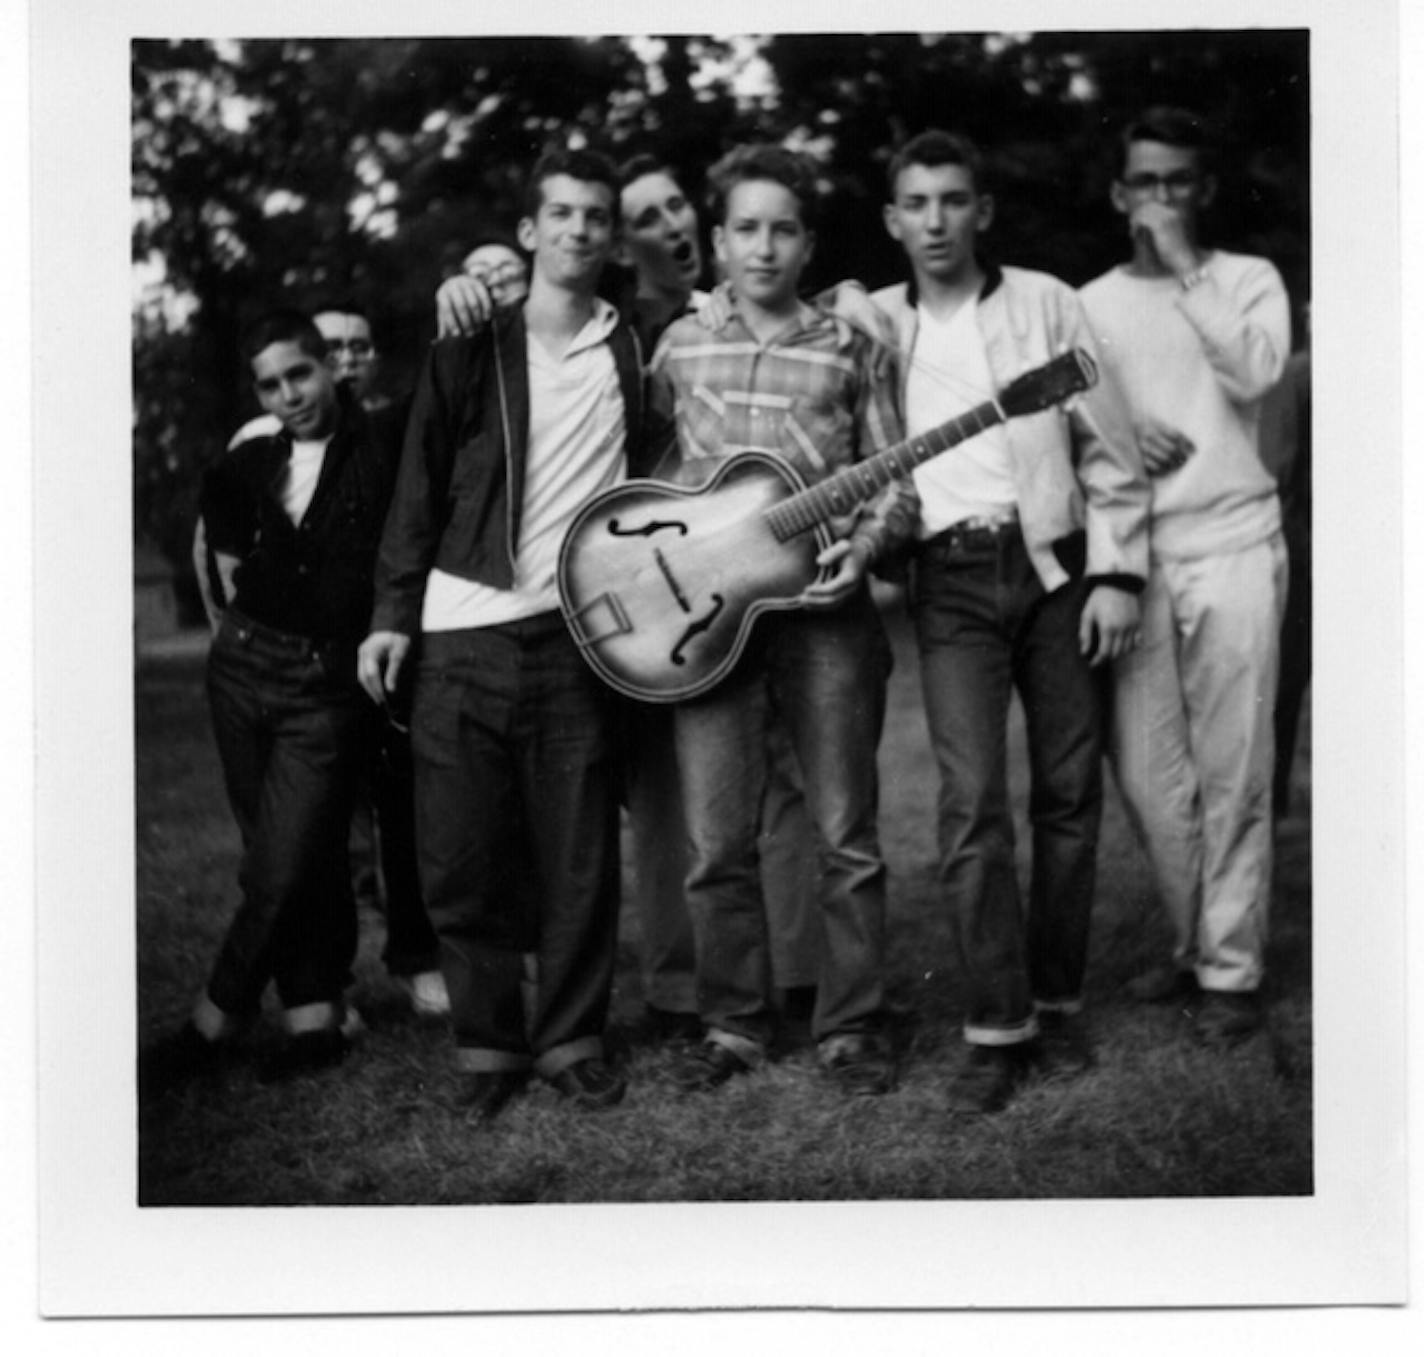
(515, 777)
(986, 627)
(290, 725)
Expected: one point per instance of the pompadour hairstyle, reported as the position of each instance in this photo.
(1172, 126)
(935, 147)
(283, 325)
(590, 167)
(793, 170)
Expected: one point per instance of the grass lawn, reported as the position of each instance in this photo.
(1157, 1117)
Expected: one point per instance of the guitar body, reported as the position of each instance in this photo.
(660, 584)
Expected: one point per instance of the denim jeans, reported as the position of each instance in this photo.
(1193, 747)
(658, 859)
(290, 734)
(515, 777)
(986, 627)
(826, 672)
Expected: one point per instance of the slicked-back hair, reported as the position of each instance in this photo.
(936, 147)
(1171, 126)
(284, 325)
(645, 163)
(793, 170)
(589, 167)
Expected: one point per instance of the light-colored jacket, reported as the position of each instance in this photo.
(1075, 467)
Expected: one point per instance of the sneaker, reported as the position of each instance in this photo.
(428, 996)
(987, 1078)
(482, 1095)
(707, 1065)
(1161, 985)
(590, 1084)
(859, 1068)
(1227, 1018)
(305, 1053)
(1064, 1046)
(180, 1058)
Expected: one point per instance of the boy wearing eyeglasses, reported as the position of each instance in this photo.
(1195, 337)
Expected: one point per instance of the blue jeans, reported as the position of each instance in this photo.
(826, 672)
(515, 778)
(986, 627)
(290, 725)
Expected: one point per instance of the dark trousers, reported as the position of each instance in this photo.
(289, 732)
(514, 769)
(986, 627)
(411, 945)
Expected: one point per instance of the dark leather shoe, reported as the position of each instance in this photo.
(987, 1079)
(590, 1084)
(1226, 1019)
(180, 1058)
(861, 1069)
(707, 1065)
(484, 1094)
(305, 1053)
(1161, 985)
(1064, 1047)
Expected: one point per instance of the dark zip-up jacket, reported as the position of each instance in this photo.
(460, 492)
(313, 578)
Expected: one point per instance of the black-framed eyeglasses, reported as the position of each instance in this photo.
(1179, 181)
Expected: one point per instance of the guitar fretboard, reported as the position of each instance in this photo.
(841, 493)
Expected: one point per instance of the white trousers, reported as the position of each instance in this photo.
(1193, 746)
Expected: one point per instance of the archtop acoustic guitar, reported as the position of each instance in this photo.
(661, 584)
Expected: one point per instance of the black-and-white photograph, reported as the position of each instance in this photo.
(724, 620)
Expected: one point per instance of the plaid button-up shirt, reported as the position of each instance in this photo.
(820, 393)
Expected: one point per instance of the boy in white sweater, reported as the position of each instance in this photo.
(1195, 337)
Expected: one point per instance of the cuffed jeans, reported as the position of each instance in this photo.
(826, 671)
(1193, 746)
(514, 770)
(986, 627)
(290, 733)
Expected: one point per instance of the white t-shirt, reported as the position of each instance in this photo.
(576, 438)
(305, 470)
(949, 375)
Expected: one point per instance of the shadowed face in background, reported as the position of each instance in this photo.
(660, 236)
(501, 269)
(350, 350)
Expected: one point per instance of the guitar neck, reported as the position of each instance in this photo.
(841, 493)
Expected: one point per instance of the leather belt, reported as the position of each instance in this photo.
(971, 536)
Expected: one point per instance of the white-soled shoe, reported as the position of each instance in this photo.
(428, 996)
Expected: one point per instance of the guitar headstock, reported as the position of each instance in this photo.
(1044, 386)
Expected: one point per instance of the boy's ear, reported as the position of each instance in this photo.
(524, 232)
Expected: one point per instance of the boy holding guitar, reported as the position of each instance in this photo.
(782, 376)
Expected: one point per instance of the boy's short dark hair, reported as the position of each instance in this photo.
(591, 167)
(793, 170)
(644, 163)
(1172, 126)
(935, 147)
(281, 326)
(342, 306)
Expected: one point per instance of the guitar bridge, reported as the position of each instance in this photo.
(598, 620)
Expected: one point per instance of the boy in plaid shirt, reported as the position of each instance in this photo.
(782, 376)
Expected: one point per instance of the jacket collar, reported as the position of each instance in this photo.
(993, 278)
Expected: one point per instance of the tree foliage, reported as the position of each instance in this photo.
(298, 171)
